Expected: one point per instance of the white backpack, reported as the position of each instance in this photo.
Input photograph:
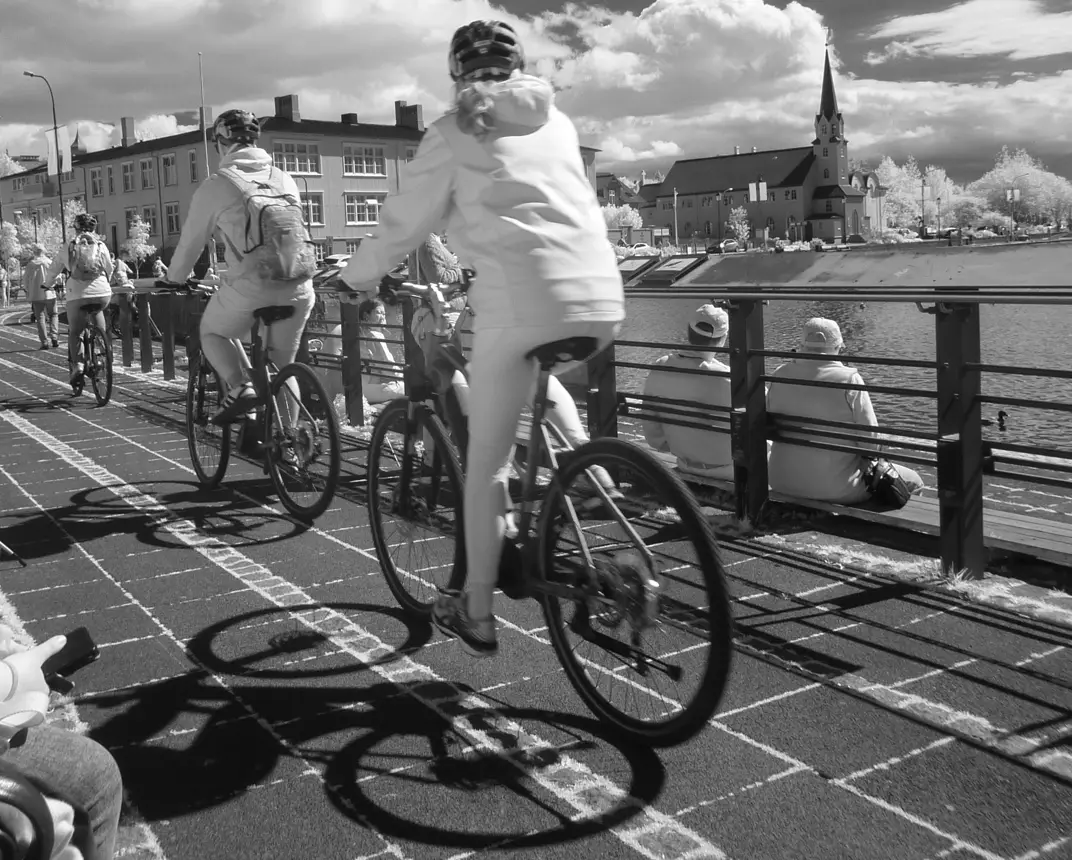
(87, 259)
(276, 239)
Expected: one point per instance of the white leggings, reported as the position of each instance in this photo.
(500, 380)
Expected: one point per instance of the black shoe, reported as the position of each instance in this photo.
(43, 346)
(55, 343)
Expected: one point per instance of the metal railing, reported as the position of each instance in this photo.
(955, 449)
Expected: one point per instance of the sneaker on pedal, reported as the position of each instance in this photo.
(238, 401)
(77, 372)
(451, 616)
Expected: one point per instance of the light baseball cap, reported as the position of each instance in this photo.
(709, 321)
(821, 335)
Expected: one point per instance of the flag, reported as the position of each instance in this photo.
(762, 191)
(752, 196)
(65, 150)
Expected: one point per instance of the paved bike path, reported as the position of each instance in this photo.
(863, 720)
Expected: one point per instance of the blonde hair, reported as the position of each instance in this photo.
(473, 104)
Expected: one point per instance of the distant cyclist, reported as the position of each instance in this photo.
(90, 265)
(270, 260)
(503, 172)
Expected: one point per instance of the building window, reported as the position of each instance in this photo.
(770, 196)
(411, 153)
(193, 165)
(44, 212)
(794, 195)
(18, 184)
(313, 207)
(68, 176)
(363, 160)
(688, 203)
(96, 183)
(318, 250)
(111, 180)
(128, 176)
(171, 218)
(826, 152)
(826, 174)
(833, 128)
(352, 245)
(844, 150)
(707, 228)
(824, 129)
(363, 208)
(147, 178)
(171, 169)
(829, 205)
(297, 157)
(130, 214)
(221, 252)
(148, 215)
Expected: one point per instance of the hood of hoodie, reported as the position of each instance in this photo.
(248, 159)
(520, 104)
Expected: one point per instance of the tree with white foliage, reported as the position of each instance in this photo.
(739, 225)
(136, 248)
(621, 216)
(9, 165)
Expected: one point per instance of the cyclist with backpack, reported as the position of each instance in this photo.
(503, 172)
(90, 265)
(256, 208)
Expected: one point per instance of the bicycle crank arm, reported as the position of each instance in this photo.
(627, 653)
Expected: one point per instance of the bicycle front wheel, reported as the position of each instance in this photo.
(302, 433)
(649, 660)
(99, 365)
(210, 445)
(415, 488)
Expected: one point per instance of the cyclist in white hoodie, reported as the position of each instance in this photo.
(243, 201)
(503, 173)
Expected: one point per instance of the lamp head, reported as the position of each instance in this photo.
(30, 74)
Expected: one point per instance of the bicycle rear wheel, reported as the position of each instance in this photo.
(415, 488)
(99, 365)
(210, 445)
(650, 662)
(302, 434)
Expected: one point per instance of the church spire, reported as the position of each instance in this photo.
(828, 106)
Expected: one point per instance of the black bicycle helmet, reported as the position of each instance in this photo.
(236, 126)
(485, 49)
(85, 223)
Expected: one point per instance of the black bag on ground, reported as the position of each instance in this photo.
(885, 484)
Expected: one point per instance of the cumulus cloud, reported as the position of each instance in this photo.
(1018, 29)
(682, 78)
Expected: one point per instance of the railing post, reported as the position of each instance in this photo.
(960, 439)
(748, 399)
(602, 394)
(167, 335)
(126, 327)
(410, 347)
(145, 333)
(351, 363)
(196, 305)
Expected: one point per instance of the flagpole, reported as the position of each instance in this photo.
(211, 246)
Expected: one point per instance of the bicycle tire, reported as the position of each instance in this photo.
(617, 454)
(98, 347)
(200, 406)
(313, 395)
(426, 422)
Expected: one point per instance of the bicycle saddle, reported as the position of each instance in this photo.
(276, 313)
(567, 349)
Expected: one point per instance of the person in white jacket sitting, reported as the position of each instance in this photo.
(817, 473)
(503, 171)
(220, 203)
(701, 452)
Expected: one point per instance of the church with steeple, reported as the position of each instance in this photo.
(809, 190)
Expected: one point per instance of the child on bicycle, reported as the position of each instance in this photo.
(90, 265)
(226, 201)
(503, 172)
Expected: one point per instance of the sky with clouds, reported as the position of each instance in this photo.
(647, 81)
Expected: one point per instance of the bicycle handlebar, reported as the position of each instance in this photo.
(190, 287)
(396, 287)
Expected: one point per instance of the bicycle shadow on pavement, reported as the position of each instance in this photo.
(263, 695)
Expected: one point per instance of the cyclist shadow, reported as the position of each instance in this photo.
(240, 521)
(390, 754)
(33, 405)
(41, 534)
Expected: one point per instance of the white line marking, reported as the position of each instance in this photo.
(572, 782)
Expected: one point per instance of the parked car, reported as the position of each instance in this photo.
(726, 246)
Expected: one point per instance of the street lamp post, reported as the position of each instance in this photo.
(939, 201)
(1012, 196)
(676, 235)
(59, 158)
(923, 208)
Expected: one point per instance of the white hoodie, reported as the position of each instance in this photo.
(518, 208)
(217, 203)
